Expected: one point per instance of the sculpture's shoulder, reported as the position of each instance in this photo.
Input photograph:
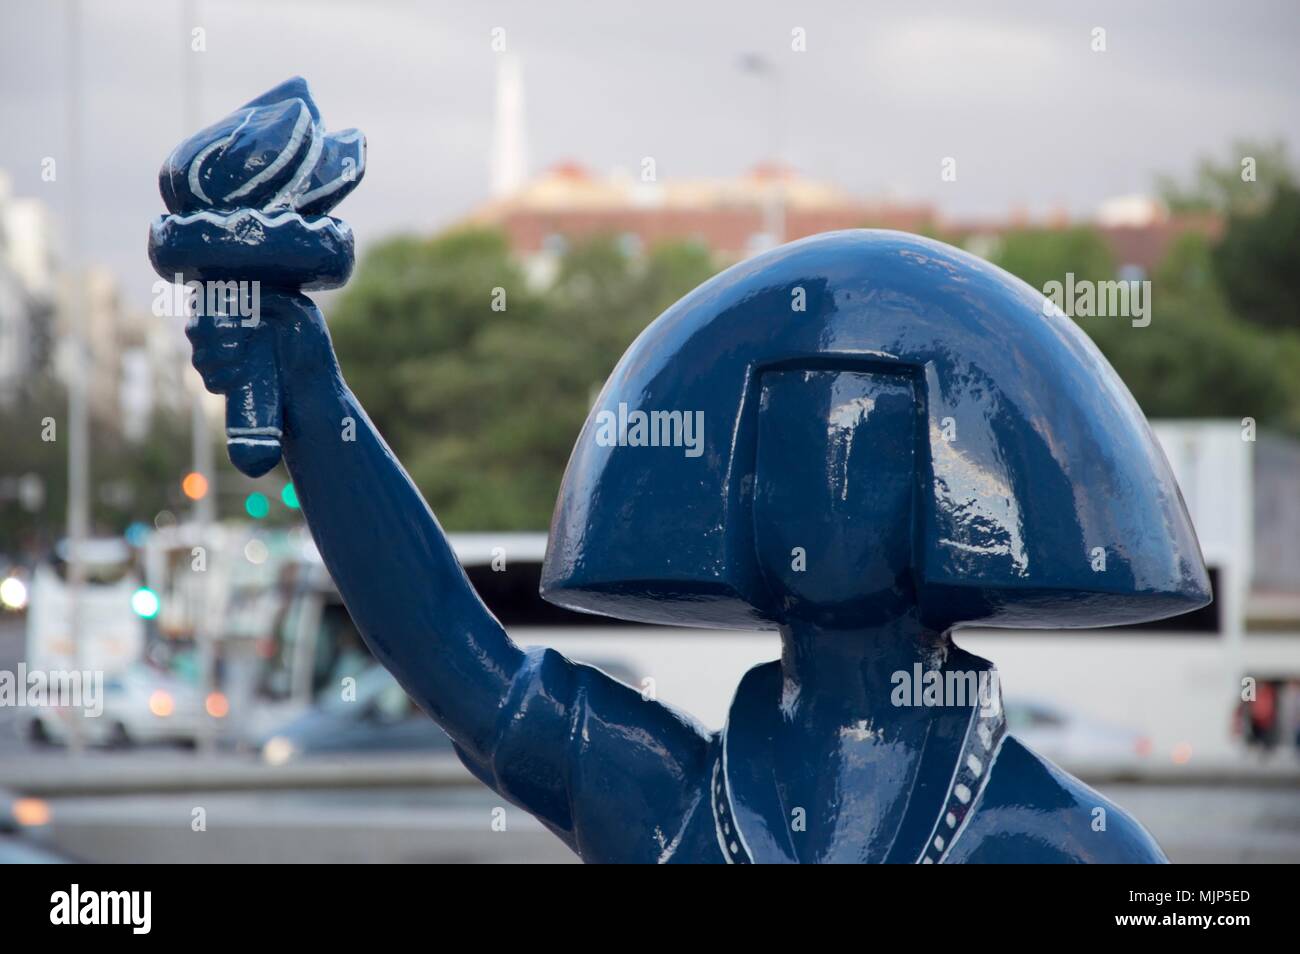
(1032, 811)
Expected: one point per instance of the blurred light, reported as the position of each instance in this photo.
(278, 750)
(137, 534)
(145, 602)
(289, 496)
(304, 544)
(1142, 746)
(161, 703)
(1182, 753)
(257, 505)
(195, 485)
(217, 705)
(164, 519)
(13, 593)
(255, 551)
(30, 812)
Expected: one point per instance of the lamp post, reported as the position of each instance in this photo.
(78, 515)
(773, 199)
(203, 461)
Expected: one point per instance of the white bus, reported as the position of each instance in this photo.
(1125, 700)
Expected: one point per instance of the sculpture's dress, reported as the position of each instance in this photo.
(592, 760)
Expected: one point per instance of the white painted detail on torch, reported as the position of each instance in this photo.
(196, 188)
(282, 160)
(229, 219)
(285, 196)
(253, 441)
(337, 182)
(253, 431)
(196, 164)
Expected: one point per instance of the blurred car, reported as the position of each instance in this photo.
(143, 704)
(21, 822)
(1073, 741)
(381, 718)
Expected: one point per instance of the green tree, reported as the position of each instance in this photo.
(412, 302)
(1258, 261)
(483, 406)
(129, 480)
(1241, 183)
(25, 423)
(1195, 358)
(1038, 256)
(1254, 190)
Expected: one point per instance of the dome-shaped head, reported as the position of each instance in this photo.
(860, 423)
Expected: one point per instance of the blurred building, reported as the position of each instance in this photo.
(134, 361)
(741, 216)
(1138, 229)
(27, 289)
(734, 217)
(760, 209)
(90, 299)
(509, 139)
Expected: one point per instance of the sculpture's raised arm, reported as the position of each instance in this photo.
(394, 567)
(248, 199)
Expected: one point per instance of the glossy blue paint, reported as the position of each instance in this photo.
(864, 440)
(1030, 452)
(248, 198)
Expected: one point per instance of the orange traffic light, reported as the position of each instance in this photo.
(195, 485)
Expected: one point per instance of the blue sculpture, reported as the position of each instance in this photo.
(865, 440)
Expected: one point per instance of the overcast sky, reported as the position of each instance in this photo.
(883, 92)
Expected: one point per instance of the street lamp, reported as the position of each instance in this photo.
(758, 65)
(78, 527)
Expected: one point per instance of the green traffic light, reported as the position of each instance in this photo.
(257, 505)
(145, 603)
(289, 496)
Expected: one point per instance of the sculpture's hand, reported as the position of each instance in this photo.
(260, 367)
(290, 332)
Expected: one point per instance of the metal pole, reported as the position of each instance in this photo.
(775, 224)
(773, 197)
(205, 506)
(78, 426)
(204, 513)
